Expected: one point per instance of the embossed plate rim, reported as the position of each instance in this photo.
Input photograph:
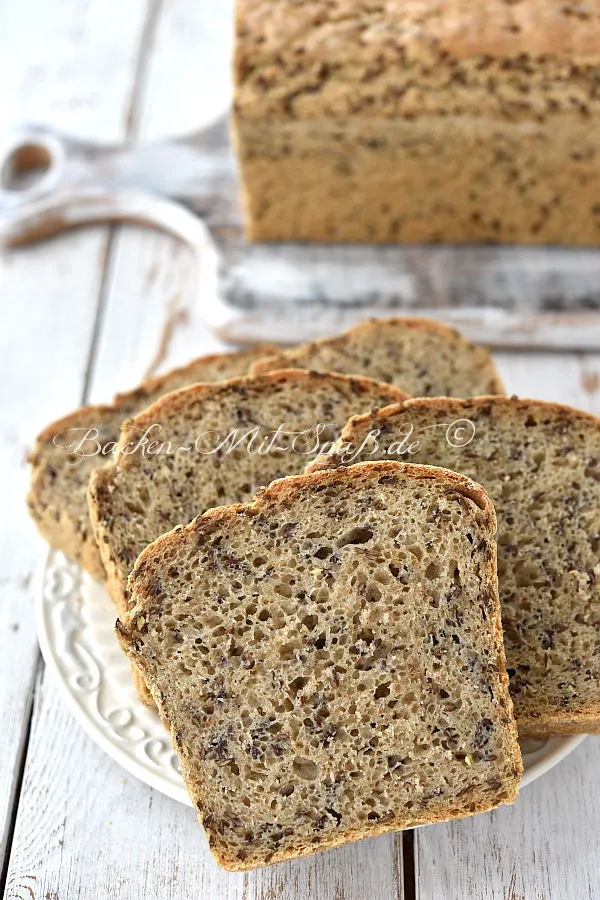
(123, 749)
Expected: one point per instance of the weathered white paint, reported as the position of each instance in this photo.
(545, 846)
(49, 302)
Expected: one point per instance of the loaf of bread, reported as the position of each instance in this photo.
(214, 444)
(68, 450)
(329, 660)
(423, 357)
(429, 121)
(540, 463)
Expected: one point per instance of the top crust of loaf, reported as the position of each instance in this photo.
(472, 364)
(360, 30)
(363, 58)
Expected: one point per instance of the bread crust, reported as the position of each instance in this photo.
(548, 720)
(294, 355)
(352, 32)
(170, 404)
(280, 491)
(418, 122)
(60, 524)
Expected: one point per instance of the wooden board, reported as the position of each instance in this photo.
(50, 299)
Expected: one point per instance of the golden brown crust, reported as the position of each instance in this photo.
(60, 523)
(458, 404)
(156, 383)
(171, 404)
(276, 493)
(359, 60)
(295, 355)
(355, 32)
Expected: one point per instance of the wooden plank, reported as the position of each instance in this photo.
(50, 295)
(572, 378)
(546, 846)
(153, 316)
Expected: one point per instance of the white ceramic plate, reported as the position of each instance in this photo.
(75, 619)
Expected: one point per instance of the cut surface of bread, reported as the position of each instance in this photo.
(65, 452)
(216, 444)
(423, 357)
(329, 659)
(540, 463)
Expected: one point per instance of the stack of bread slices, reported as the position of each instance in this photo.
(318, 557)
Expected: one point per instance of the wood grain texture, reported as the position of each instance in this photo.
(50, 297)
(546, 846)
(153, 314)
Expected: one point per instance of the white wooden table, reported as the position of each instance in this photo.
(86, 315)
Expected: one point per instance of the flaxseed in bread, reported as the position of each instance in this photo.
(142, 494)
(423, 357)
(329, 660)
(540, 463)
(423, 121)
(61, 468)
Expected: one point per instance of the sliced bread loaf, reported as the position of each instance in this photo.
(540, 463)
(68, 450)
(329, 660)
(423, 357)
(215, 444)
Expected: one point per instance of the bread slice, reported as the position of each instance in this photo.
(540, 463)
(329, 660)
(59, 478)
(228, 427)
(423, 357)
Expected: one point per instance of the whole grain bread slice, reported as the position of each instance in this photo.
(540, 463)
(214, 444)
(69, 449)
(329, 660)
(423, 357)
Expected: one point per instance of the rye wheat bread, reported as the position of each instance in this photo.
(540, 463)
(59, 478)
(329, 661)
(423, 357)
(140, 495)
(413, 121)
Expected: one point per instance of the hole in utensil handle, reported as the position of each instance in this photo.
(25, 166)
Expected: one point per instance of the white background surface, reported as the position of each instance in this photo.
(84, 316)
